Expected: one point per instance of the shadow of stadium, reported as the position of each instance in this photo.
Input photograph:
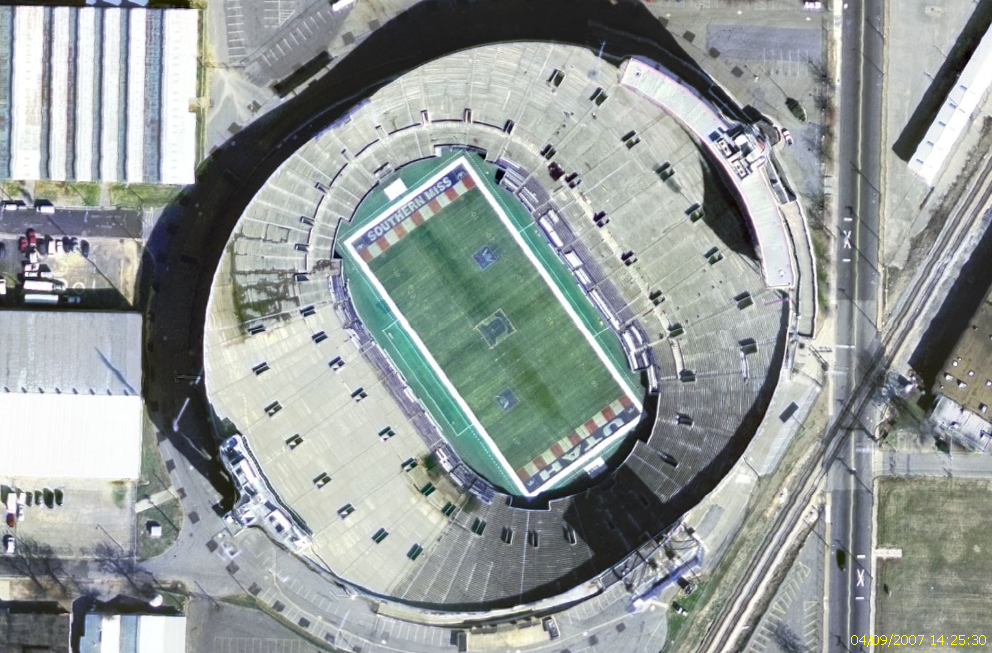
(185, 248)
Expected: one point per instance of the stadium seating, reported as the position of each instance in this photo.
(289, 229)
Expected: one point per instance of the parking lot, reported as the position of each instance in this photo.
(92, 512)
(104, 279)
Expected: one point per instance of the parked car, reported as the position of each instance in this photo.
(22, 244)
(3, 250)
(11, 520)
(9, 544)
(788, 137)
(67, 244)
(43, 247)
(59, 497)
(32, 237)
(49, 498)
(84, 248)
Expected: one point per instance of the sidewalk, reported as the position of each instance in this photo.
(157, 499)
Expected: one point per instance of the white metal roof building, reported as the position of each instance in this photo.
(133, 634)
(70, 386)
(955, 115)
(98, 94)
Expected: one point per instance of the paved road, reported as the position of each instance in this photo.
(936, 464)
(859, 132)
(85, 223)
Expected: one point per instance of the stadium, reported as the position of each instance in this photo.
(495, 330)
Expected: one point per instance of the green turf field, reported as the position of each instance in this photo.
(497, 330)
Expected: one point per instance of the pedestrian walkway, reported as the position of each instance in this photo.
(157, 499)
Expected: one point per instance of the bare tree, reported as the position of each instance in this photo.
(38, 561)
(115, 561)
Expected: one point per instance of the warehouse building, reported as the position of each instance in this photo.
(964, 388)
(73, 378)
(24, 631)
(956, 113)
(98, 94)
(134, 633)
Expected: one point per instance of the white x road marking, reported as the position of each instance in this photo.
(861, 578)
(847, 238)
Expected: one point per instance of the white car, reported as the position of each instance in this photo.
(9, 544)
(788, 137)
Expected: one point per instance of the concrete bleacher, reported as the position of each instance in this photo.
(325, 181)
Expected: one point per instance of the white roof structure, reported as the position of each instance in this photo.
(118, 111)
(134, 634)
(955, 115)
(760, 204)
(70, 436)
(70, 384)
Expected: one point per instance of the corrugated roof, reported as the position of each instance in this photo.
(70, 352)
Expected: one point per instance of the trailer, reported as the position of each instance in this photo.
(41, 286)
(40, 298)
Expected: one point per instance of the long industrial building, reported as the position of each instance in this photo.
(74, 378)
(956, 113)
(98, 94)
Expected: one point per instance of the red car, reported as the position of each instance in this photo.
(32, 238)
(22, 243)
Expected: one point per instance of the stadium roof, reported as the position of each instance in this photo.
(762, 209)
(75, 378)
(70, 352)
(955, 115)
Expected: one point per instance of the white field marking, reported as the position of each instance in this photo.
(481, 184)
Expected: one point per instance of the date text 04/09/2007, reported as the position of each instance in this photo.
(919, 640)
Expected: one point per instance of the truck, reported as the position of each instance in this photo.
(40, 298)
(40, 285)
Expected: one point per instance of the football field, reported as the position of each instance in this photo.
(529, 378)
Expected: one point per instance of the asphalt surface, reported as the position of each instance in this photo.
(858, 173)
(967, 465)
(84, 223)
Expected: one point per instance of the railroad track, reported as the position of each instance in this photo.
(923, 285)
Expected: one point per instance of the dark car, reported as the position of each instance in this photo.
(3, 250)
(22, 244)
(43, 247)
(32, 238)
(84, 248)
(67, 244)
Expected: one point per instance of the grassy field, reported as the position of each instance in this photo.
(941, 583)
(496, 329)
(68, 194)
(142, 196)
